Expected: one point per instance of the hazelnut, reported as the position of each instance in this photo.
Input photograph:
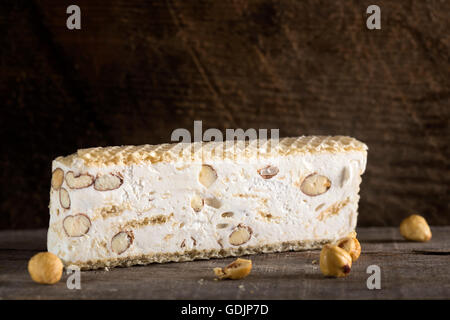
(77, 225)
(213, 203)
(207, 175)
(315, 184)
(122, 241)
(64, 198)
(240, 235)
(79, 181)
(268, 172)
(415, 228)
(352, 234)
(197, 203)
(227, 214)
(238, 269)
(57, 178)
(108, 182)
(335, 261)
(352, 246)
(45, 268)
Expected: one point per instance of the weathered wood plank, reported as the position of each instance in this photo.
(408, 271)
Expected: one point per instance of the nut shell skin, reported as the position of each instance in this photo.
(45, 268)
(415, 228)
(335, 261)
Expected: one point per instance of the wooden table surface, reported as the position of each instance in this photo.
(408, 271)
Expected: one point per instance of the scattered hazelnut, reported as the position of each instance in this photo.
(352, 234)
(45, 268)
(315, 184)
(335, 261)
(238, 269)
(415, 228)
(352, 246)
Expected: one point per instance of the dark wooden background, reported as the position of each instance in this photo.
(139, 69)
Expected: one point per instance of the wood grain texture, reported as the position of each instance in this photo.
(408, 271)
(138, 70)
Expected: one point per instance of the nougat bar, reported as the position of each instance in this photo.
(128, 205)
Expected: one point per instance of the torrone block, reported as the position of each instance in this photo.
(176, 202)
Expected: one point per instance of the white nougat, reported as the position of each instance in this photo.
(177, 202)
